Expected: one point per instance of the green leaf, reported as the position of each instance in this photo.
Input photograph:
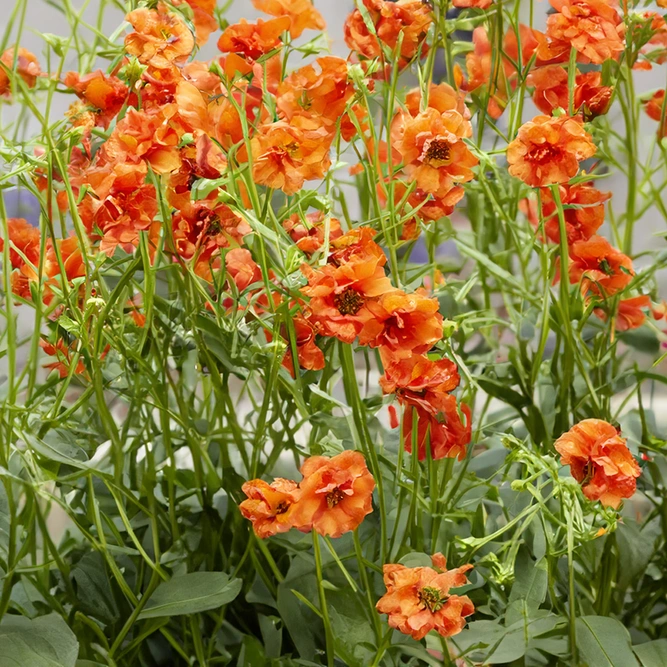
(191, 593)
(529, 589)
(652, 654)
(604, 642)
(93, 588)
(44, 642)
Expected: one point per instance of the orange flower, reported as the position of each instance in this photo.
(122, 205)
(477, 4)
(423, 385)
(309, 355)
(600, 461)
(653, 107)
(24, 239)
(441, 97)
(344, 293)
(418, 600)
(409, 18)
(253, 40)
(548, 150)
(311, 234)
(433, 150)
(63, 355)
(202, 228)
(552, 91)
(584, 211)
(161, 38)
(104, 95)
(599, 267)
(428, 207)
(301, 13)
(242, 269)
(270, 507)
(484, 72)
(403, 324)
(593, 27)
(630, 313)
(203, 18)
(316, 93)
(27, 67)
(284, 156)
(336, 494)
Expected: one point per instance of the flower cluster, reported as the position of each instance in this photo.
(333, 498)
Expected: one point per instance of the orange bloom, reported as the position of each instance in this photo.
(284, 156)
(548, 150)
(485, 74)
(433, 150)
(253, 40)
(418, 600)
(202, 228)
(316, 92)
(423, 385)
(593, 27)
(242, 269)
(600, 461)
(63, 355)
(441, 97)
(301, 13)
(476, 4)
(403, 324)
(653, 107)
(584, 211)
(118, 205)
(311, 234)
(630, 313)
(104, 95)
(552, 92)
(411, 18)
(336, 494)
(27, 67)
(24, 239)
(270, 507)
(161, 38)
(203, 18)
(599, 267)
(309, 355)
(344, 293)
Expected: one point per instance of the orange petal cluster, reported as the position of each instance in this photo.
(27, 67)
(302, 14)
(548, 150)
(600, 461)
(408, 20)
(594, 28)
(333, 498)
(418, 599)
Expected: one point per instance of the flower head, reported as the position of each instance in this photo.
(599, 267)
(410, 19)
(599, 460)
(160, 38)
(336, 494)
(270, 507)
(27, 67)
(284, 155)
(593, 27)
(253, 40)
(418, 599)
(583, 211)
(104, 95)
(311, 233)
(549, 150)
(302, 14)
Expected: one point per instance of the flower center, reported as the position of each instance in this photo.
(542, 154)
(431, 598)
(438, 153)
(605, 267)
(588, 473)
(334, 497)
(348, 302)
(282, 507)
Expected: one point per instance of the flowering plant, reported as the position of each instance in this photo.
(292, 333)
